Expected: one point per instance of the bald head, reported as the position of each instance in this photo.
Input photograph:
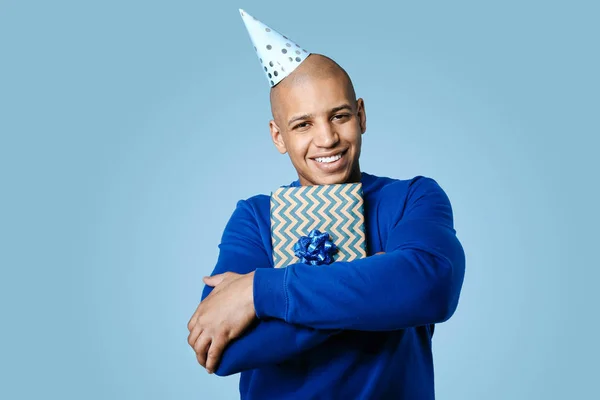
(314, 67)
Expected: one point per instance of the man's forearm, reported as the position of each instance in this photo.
(269, 342)
(393, 291)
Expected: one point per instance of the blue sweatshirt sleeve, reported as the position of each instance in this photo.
(267, 341)
(417, 282)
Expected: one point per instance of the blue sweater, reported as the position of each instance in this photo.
(350, 330)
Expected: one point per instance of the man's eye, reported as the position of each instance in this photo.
(340, 116)
(301, 125)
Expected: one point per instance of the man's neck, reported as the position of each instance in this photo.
(355, 177)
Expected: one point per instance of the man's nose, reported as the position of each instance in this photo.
(326, 136)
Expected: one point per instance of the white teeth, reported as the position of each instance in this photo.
(328, 159)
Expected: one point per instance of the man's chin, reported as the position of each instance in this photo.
(331, 179)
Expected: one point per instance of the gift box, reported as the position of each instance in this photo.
(335, 211)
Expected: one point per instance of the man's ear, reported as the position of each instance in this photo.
(277, 137)
(362, 115)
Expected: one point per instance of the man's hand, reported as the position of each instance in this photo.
(221, 317)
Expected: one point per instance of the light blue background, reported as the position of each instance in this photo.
(129, 129)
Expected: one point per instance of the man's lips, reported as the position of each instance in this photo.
(329, 158)
(332, 164)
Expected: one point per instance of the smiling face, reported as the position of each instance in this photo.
(318, 122)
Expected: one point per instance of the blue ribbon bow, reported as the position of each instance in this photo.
(315, 249)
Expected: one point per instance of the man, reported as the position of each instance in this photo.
(349, 330)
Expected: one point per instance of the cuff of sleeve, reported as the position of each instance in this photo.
(270, 296)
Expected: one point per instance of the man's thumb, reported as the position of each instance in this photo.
(213, 280)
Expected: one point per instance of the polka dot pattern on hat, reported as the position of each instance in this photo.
(278, 55)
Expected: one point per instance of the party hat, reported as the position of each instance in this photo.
(278, 55)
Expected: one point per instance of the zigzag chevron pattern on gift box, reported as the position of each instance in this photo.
(336, 209)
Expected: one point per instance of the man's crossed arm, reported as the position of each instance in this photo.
(416, 283)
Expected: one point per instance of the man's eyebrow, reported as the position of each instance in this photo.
(332, 111)
(305, 116)
(340, 108)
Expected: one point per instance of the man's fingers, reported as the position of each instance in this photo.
(201, 348)
(192, 321)
(193, 336)
(214, 354)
